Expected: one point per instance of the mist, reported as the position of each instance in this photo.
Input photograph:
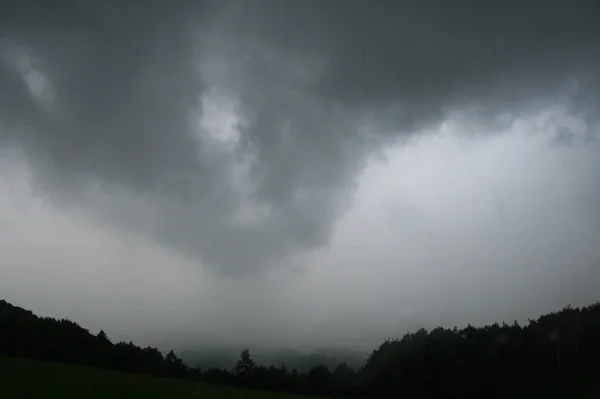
(270, 175)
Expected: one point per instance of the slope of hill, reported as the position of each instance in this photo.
(26, 378)
(24, 334)
(558, 352)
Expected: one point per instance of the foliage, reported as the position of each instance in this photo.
(226, 358)
(245, 365)
(557, 351)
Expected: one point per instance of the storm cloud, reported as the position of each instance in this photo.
(245, 138)
(240, 127)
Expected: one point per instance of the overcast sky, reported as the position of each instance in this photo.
(298, 173)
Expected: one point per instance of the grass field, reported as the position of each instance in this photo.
(29, 379)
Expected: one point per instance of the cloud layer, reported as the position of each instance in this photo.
(444, 230)
(233, 132)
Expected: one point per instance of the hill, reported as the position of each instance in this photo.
(24, 334)
(26, 378)
(558, 353)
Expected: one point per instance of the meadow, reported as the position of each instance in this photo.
(27, 379)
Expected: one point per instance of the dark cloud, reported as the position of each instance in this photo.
(106, 96)
(427, 54)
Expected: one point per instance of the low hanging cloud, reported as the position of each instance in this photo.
(234, 131)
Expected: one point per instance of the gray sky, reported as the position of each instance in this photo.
(335, 171)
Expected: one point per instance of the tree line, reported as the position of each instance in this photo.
(225, 357)
(559, 350)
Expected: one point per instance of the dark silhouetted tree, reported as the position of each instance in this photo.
(102, 336)
(245, 364)
(557, 351)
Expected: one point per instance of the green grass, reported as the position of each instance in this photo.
(28, 379)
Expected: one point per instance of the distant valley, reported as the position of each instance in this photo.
(225, 358)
